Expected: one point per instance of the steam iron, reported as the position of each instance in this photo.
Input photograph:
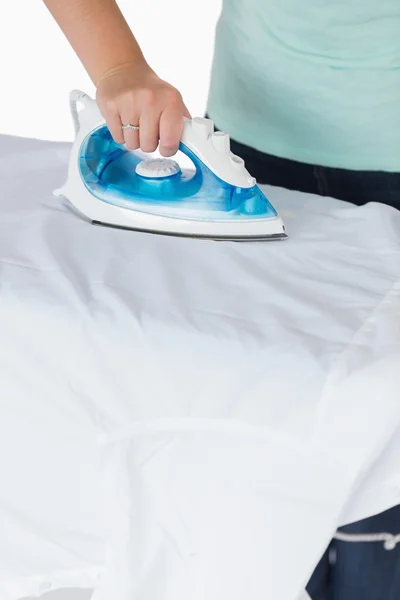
(111, 185)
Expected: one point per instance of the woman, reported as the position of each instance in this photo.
(310, 94)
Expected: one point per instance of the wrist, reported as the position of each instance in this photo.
(137, 63)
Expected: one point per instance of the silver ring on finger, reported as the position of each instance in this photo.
(130, 127)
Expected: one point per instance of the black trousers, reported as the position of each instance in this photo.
(360, 570)
(358, 187)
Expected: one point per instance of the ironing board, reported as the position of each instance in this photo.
(176, 407)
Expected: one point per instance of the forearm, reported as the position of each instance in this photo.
(98, 32)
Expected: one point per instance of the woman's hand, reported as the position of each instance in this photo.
(132, 94)
(128, 90)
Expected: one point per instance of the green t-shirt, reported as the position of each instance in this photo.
(317, 81)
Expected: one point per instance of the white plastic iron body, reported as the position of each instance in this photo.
(113, 186)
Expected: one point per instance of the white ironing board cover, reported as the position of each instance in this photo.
(201, 416)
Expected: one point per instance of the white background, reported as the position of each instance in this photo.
(38, 67)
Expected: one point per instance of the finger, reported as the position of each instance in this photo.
(131, 137)
(115, 127)
(171, 128)
(149, 130)
(109, 110)
(186, 113)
